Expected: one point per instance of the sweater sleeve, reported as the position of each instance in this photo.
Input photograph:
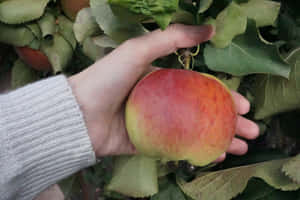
(43, 138)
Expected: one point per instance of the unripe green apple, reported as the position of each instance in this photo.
(174, 114)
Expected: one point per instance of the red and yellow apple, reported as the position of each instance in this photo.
(174, 114)
(34, 58)
(72, 7)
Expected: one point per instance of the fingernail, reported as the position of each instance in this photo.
(255, 130)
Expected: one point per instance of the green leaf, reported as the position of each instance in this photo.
(35, 29)
(274, 94)
(135, 176)
(246, 55)
(105, 41)
(69, 186)
(65, 28)
(163, 169)
(226, 184)
(20, 11)
(232, 83)
(22, 75)
(291, 168)
(183, 17)
(119, 29)
(47, 24)
(204, 5)
(254, 155)
(15, 35)
(159, 10)
(168, 191)
(35, 44)
(85, 25)
(264, 12)
(58, 51)
(257, 189)
(229, 23)
(92, 50)
(78, 63)
(163, 20)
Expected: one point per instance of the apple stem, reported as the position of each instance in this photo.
(186, 58)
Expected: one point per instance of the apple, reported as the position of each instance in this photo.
(174, 114)
(71, 7)
(34, 58)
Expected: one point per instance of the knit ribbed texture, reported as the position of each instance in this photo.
(43, 138)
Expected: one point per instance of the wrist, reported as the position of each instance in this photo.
(82, 98)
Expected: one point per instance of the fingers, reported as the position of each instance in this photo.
(241, 103)
(246, 128)
(221, 158)
(238, 147)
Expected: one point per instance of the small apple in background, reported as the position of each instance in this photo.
(72, 7)
(34, 58)
(175, 114)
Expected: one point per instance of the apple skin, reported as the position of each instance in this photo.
(174, 114)
(72, 7)
(34, 58)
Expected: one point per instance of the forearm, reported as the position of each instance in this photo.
(43, 138)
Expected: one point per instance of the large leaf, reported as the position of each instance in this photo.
(135, 176)
(274, 94)
(92, 50)
(291, 168)
(226, 184)
(232, 83)
(119, 29)
(204, 5)
(246, 55)
(20, 11)
(35, 29)
(47, 24)
(22, 75)
(264, 12)
(168, 191)
(257, 189)
(105, 41)
(15, 35)
(229, 23)
(59, 52)
(159, 10)
(183, 17)
(85, 25)
(65, 28)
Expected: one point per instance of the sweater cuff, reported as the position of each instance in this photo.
(46, 133)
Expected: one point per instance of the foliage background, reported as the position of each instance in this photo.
(255, 51)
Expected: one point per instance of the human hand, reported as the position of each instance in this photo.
(102, 89)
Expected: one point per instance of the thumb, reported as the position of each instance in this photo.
(156, 44)
(161, 43)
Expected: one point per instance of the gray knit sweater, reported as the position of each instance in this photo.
(43, 138)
